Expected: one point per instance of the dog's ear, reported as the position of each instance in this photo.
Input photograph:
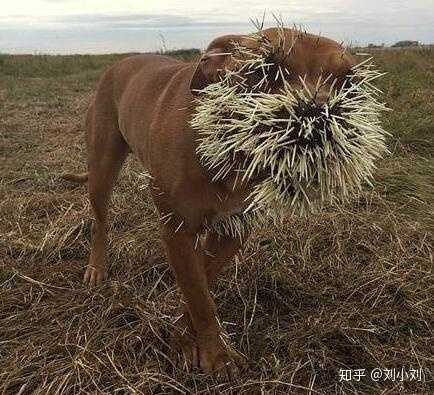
(208, 69)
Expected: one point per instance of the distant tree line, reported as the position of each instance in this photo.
(399, 44)
(406, 43)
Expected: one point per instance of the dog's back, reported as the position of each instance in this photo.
(133, 94)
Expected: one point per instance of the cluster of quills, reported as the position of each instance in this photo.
(296, 155)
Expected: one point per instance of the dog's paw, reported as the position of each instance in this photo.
(94, 275)
(184, 352)
(219, 358)
(222, 361)
(211, 355)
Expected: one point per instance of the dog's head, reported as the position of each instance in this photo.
(290, 112)
(300, 59)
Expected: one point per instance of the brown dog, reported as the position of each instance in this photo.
(143, 105)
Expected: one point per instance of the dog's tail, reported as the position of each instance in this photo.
(78, 178)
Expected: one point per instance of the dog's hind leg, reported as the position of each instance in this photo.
(107, 151)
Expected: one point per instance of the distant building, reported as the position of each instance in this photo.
(406, 43)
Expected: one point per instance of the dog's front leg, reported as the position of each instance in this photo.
(211, 353)
(220, 251)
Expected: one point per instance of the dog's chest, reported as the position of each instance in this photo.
(228, 206)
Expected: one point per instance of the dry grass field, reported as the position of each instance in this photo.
(351, 288)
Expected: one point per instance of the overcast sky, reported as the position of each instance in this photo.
(63, 26)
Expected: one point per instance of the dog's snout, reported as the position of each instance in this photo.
(321, 98)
